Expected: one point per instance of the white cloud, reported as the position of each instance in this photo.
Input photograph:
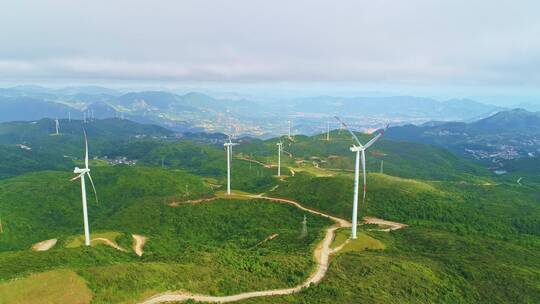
(416, 41)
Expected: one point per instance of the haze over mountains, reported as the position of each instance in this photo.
(476, 130)
(200, 112)
(505, 135)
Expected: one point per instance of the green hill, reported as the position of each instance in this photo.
(472, 238)
(496, 210)
(44, 205)
(404, 159)
(211, 247)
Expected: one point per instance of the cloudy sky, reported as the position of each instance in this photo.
(414, 43)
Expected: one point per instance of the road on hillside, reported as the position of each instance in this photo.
(322, 256)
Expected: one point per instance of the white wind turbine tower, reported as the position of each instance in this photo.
(360, 154)
(290, 127)
(82, 172)
(57, 125)
(228, 146)
(280, 148)
(327, 131)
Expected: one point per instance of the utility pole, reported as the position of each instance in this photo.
(382, 166)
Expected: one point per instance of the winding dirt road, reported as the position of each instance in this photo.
(322, 257)
(377, 221)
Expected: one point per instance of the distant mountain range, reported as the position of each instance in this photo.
(505, 135)
(195, 112)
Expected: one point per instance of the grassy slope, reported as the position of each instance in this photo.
(409, 160)
(44, 205)
(51, 152)
(207, 248)
(200, 159)
(467, 243)
(57, 286)
(424, 266)
(460, 207)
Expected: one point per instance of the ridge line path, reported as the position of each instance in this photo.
(322, 256)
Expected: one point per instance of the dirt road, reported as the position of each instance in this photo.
(322, 257)
(389, 224)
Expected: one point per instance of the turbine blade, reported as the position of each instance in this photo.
(76, 177)
(373, 140)
(93, 187)
(364, 175)
(352, 133)
(86, 148)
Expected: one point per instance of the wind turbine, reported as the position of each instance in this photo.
(228, 146)
(57, 124)
(360, 151)
(280, 148)
(82, 172)
(327, 131)
(290, 127)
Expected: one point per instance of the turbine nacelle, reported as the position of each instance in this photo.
(78, 170)
(357, 149)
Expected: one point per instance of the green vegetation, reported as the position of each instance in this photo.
(200, 159)
(472, 238)
(423, 265)
(57, 286)
(78, 241)
(45, 205)
(361, 243)
(495, 210)
(207, 247)
(15, 161)
(404, 159)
